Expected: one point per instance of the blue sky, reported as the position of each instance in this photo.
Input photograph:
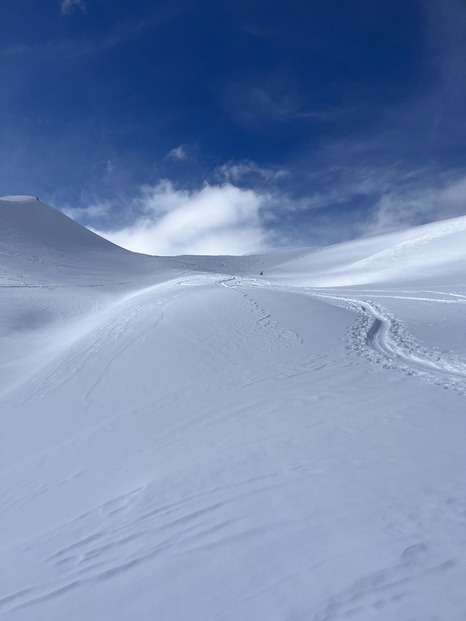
(210, 126)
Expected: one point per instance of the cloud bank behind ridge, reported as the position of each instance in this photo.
(221, 219)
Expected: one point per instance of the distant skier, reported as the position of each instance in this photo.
(261, 273)
(37, 198)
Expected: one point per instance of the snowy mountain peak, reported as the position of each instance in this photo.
(26, 220)
(39, 243)
(18, 199)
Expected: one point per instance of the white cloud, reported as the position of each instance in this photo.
(227, 218)
(221, 219)
(248, 170)
(66, 6)
(97, 210)
(179, 153)
(417, 205)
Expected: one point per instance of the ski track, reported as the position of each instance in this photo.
(382, 338)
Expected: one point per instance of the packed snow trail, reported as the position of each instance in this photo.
(383, 338)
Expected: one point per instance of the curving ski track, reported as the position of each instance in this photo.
(383, 339)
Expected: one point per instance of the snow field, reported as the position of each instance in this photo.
(181, 438)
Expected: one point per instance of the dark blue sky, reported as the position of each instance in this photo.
(341, 117)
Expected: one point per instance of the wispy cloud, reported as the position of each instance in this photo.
(88, 213)
(67, 6)
(178, 153)
(122, 32)
(408, 206)
(247, 171)
(222, 219)
(252, 104)
(279, 99)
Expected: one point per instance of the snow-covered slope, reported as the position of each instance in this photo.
(40, 245)
(26, 221)
(433, 251)
(181, 438)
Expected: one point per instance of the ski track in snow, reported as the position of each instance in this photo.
(382, 338)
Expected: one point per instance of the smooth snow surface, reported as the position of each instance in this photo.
(182, 438)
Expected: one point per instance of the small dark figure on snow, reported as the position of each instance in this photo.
(261, 273)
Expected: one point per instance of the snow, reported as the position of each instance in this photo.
(433, 250)
(182, 438)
